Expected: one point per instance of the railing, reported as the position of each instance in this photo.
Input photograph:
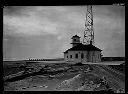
(57, 59)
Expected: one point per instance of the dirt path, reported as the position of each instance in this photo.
(44, 83)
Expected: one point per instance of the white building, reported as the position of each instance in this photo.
(82, 53)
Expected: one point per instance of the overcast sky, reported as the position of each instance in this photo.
(46, 31)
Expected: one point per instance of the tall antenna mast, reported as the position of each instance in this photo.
(89, 32)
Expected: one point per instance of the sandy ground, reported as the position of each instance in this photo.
(39, 83)
(44, 83)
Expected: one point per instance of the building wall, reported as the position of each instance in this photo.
(91, 56)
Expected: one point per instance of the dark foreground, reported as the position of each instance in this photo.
(66, 77)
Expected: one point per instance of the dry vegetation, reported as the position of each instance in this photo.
(67, 77)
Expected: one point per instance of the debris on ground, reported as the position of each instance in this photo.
(66, 77)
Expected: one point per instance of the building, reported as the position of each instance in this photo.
(82, 53)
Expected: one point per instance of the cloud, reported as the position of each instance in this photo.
(40, 20)
(46, 31)
(29, 26)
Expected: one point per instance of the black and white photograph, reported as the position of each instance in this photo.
(64, 48)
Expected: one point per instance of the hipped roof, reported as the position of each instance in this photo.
(81, 47)
(75, 36)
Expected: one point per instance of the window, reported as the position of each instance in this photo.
(82, 55)
(76, 56)
(67, 56)
(70, 56)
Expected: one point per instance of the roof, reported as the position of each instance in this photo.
(75, 36)
(81, 47)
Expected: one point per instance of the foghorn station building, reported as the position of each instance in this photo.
(82, 53)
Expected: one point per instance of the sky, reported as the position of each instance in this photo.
(46, 31)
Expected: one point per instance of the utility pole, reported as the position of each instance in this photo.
(89, 32)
